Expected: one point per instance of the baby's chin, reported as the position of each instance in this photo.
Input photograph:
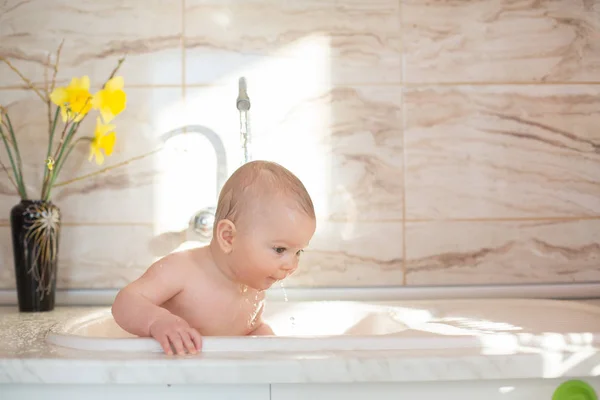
(264, 284)
(269, 282)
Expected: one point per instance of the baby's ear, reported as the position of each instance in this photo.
(225, 235)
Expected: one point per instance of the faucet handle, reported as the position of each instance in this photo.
(202, 222)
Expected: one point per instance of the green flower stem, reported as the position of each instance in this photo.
(71, 147)
(18, 154)
(59, 160)
(18, 178)
(45, 181)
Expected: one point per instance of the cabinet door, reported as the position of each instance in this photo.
(540, 389)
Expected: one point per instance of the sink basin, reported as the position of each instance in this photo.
(488, 325)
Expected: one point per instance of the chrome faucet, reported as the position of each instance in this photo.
(243, 106)
(214, 140)
(203, 220)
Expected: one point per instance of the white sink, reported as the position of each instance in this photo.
(488, 325)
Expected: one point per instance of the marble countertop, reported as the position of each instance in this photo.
(25, 357)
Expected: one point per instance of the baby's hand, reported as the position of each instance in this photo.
(170, 329)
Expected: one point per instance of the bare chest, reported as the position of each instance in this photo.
(218, 313)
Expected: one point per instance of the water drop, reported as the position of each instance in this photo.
(285, 298)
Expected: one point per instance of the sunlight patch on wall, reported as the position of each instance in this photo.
(291, 114)
(289, 122)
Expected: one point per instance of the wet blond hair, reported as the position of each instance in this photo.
(255, 180)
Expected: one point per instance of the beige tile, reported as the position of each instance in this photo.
(341, 254)
(133, 193)
(479, 252)
(500, 41)
(502, 151)
(7, 272)
(214, 108)
(352, 254)
(96, 35)
(352, 136)
(96, 257)
(285, 43)
(343, 142)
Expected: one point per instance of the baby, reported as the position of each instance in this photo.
(264, 220)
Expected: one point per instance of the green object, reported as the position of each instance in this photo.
(574, 390)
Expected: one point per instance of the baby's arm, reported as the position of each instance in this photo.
(136, 308)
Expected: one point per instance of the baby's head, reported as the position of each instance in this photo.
(265, 218)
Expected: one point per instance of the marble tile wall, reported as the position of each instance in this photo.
(444, 143)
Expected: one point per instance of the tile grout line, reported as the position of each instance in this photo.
(402, 221)
(357, 84)
(476, 219)
(403, 133)
(508, 219)
(501, 83)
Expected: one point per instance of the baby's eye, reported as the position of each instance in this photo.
(279, 250)
(299, 252)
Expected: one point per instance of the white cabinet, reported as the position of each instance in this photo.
(467, 390)
(538, 389)
(129, 392)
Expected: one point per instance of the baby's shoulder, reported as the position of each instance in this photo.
(180, 260)
(195, 258)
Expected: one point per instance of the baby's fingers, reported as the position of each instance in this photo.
(187, 342)
(175, 339)
(196, 338)
(165, 344)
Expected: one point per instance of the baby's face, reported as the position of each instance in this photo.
(269, 248)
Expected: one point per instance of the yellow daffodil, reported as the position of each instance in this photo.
(75, 100)
(111, 100)
(104, 139)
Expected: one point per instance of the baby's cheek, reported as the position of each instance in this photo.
(262, 270)
(273, 269)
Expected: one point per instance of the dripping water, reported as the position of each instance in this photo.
(285, 298)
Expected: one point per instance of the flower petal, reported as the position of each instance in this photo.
(108, 143)
(118, 101)
(115, 83)
(64, 113)
(97, 100)
(59, 96)
(84, 82)
(107, 115)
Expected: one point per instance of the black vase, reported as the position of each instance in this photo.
(35, 229)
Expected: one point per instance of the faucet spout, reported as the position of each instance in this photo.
(243, 106)
(243, 101)
(202, 221)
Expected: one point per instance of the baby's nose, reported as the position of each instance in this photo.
(289, 268)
